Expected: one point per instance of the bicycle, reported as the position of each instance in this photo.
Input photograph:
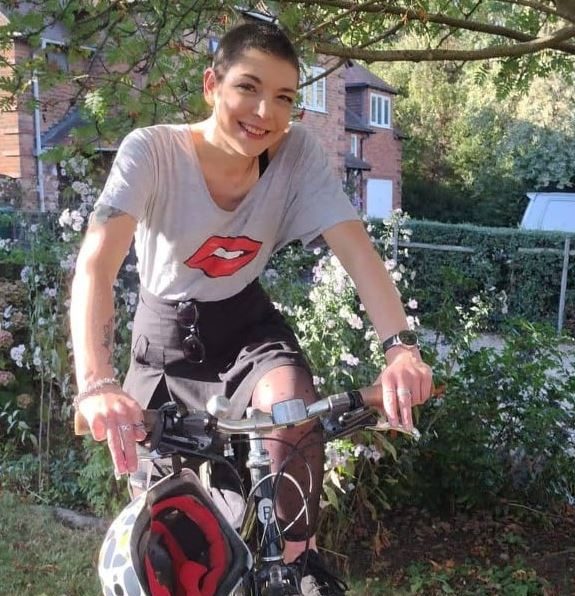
(207, 436)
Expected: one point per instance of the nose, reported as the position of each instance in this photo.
(264, 108)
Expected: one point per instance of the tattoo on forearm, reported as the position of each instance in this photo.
(102, 213)
(108, 343)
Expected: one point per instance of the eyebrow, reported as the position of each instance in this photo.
(258, 80)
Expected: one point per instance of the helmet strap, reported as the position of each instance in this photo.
(176, 464)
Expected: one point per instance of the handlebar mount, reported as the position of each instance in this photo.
(203, 433)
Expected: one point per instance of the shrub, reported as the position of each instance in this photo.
(530, 281)
(503, 428)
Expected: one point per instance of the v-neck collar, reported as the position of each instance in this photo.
(272, 163)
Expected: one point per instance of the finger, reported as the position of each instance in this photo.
(139, 428)
(116, 447)
(140, 432)
(426, 384)
(390, 402)
(98, 427)
(127, 436)
(426, 388)
(404, 396)
(416, 394)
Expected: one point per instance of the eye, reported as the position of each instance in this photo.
(246, 86)
(287, 99)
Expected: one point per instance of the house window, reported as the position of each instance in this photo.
(380, 110)
(313, 96)
(355, 146)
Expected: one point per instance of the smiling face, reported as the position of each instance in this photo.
(252, 102)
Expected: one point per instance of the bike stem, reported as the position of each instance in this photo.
(259, 465)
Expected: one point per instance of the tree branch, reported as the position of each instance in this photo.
(334, 19)
(440, 19)
(499, 51)
(537, 7)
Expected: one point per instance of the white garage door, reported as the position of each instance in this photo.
(379, 198)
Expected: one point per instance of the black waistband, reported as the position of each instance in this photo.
(222, 325)
(166, 307)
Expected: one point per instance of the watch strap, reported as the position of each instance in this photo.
(398, 340)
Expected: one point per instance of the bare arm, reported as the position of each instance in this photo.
(107, 241)
(407, 380)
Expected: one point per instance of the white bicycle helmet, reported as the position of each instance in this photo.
(172, 540)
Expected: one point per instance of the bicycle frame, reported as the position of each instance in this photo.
(197, 434)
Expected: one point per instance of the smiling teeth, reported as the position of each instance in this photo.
(255, 131)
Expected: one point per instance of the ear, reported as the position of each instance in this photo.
(209, 85)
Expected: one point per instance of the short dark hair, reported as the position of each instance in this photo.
(263, 36)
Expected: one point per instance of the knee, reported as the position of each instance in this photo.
(279, 384)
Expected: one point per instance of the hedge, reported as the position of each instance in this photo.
(532, 282)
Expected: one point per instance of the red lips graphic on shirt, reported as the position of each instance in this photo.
(220, 256)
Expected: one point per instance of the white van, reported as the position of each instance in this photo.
(551, 211)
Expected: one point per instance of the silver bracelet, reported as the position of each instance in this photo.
(94, 387)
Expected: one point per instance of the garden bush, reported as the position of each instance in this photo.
(530, 281)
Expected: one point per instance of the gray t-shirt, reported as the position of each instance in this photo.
(187, 246)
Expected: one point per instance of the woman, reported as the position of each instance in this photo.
(208, 204)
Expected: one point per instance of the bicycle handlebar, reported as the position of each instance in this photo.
(290, 412)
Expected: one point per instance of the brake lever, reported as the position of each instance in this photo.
(383, 425)
(343, 424)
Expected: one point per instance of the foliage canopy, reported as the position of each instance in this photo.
(142, 60)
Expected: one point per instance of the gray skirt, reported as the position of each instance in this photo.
(244, 336)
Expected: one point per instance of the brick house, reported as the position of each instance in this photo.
(350, 111)
(41, 119)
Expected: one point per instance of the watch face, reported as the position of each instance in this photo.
(407, 337)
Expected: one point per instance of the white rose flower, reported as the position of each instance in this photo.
(355, 322)
(17, 354)
(65, 218)
(349, 359)
(25, 274)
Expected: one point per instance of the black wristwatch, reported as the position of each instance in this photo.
(406, 339)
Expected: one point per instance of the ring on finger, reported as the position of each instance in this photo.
(125, 427)
(389, 392)
(403, 392)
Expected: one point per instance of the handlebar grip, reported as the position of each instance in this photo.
(81, 426)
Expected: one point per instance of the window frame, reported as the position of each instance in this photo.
(355, 145)
(310, 72)
(382, 100)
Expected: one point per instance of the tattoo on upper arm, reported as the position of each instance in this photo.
(102, 213)
(108, 343)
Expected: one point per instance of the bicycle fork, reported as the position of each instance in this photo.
(273, 575)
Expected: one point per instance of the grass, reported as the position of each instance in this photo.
(41, 557)
(469, 579)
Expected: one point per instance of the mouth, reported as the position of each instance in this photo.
(254, 132)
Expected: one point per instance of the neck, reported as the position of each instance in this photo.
(216, 150)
